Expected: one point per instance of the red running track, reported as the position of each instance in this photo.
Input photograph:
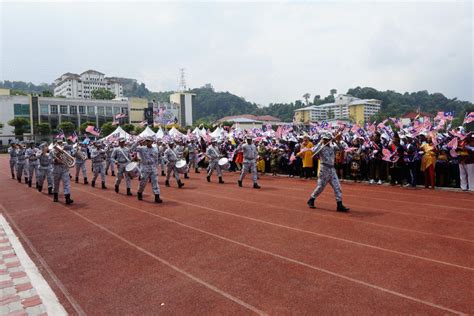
(220, 249)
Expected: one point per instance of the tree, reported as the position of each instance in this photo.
(20, 125)
(43, 129)
(128, 127)
(1, 127)
(67, 127)
(107, 128)
(47, 93)
(333, 92)
(139, 129)
(84, 125)
(316, 99)
(306, 96)
(102, 94)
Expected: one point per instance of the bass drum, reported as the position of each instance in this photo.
(132, 170)
(181, 166)
(224, 163)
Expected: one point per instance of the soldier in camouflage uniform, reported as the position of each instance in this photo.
(97, 157)
(327, 173)
(121, 156)
(80, 163)
(193, 150)
(33, 163)
(171, 157)
(214, 155)
(250, 162)
(45, 169)
(148, 159)
(61, 173)
(21, 162)
(12, 151)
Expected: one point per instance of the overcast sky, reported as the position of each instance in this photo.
(263, 51)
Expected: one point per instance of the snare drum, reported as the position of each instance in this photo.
(181, 166)
(132, 170)
(224, 163)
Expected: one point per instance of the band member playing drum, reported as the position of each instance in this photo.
(98, 156)
(213, 154)
(148, 159)
(172, 157)
(250, 162)
(327, 173)
(193, 150)
(121, 157)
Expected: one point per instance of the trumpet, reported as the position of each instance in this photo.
(61, 155)
(78, 152)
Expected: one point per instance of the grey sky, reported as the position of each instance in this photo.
(263, 51)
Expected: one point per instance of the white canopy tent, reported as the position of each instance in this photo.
(174, 133)
(118, 133)
(160, 134)
(147, 133)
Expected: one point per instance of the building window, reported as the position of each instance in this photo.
(82, 109)
(63, 109)
(21, 109)
(73, 109)
(53, 109)
(116, 110)
(44, 109)
(100, 110)
(90, 110)
(125, 111)
(108, 111)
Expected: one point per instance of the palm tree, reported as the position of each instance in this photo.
(306, 96)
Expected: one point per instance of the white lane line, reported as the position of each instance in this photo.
(49, 299)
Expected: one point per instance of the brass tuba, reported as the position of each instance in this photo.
(79, 153)
(61, 155)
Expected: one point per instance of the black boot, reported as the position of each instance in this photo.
(220, 180)
(107, 173)
(50, 190)
(157, 199)
(239, 182)
(167, 183)
(77, 179)
(68, 199)
(113, 173)
(19, 179)
(180, 184)
(129, 192)
(55, 197)
(256, 186)
(208, 178)
(341, 208)
(197, 170)
(103, 185)
(26, 180)
(85, 181)
(40, 188)
(186, 176)
(13, 176)
(140, 196)
(116, 189)
(37, 185)
(29, 183)
(311, 202)
(163, 173)
(93, 183)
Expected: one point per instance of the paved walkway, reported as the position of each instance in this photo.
(23, 291)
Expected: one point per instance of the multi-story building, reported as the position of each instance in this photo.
(344, 107)
(184, 105)
(12, 107)
(76, 86)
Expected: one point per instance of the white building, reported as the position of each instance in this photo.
(76, 86)
(184, 103)
(344, 107)
(12, 107)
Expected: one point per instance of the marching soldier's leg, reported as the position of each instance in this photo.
(12, 168)
(169, 169)
(145, 174)
(42, 175)
(95, 170)
(78, 169)
(210, 169)
(112, 167)
(84, 173)
(118, 179)
(219, 173)
(253, 166)
(67, 185)
(19, 171)
(334, 182)
(57, 178)
(245, 169)
(128, 182)
(176, 176)
(323, 179)
(102, 175)
(49, 176)
(155, 186)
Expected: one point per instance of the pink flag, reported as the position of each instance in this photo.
(453, 143)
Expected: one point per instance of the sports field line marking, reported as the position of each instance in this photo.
(163, 261)
(358, 205)
(384, 199)
(286, 258)
(301, 231)
(336, 217)
(48, 297)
